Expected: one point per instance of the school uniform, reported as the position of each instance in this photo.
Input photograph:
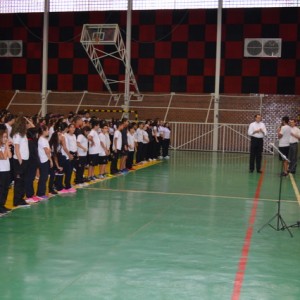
(33, 163)
(94, 149)
(20, 170)
(103, 158)
(166, 142)
(4, 180)
(44, 166)
(64, 162)
(116, 152)
(139, 139)
(72, 148)
(82, 158)
(284, 141)
(145, 145)
(160, 130)
(131, 147)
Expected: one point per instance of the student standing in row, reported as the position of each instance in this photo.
(94, 146)
(117, 146)
(20, 162)
(45, 161)
(63, 160)
(104, 150)
(33, 165)
(56, 171)
(82, 149)
(131, 147)
(166, 141)
(5, 155)
(124, 150)
(140, 144)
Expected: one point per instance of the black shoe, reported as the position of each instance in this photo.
(259, 171)
(3, 210)
(284, 174)
(250, 171)
(7, 210)
(53, 192)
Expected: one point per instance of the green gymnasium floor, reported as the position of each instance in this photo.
(182, 229)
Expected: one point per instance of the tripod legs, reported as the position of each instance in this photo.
(281, 225)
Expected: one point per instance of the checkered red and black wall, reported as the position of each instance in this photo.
(172, 51)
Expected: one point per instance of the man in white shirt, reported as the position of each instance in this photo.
(284, 133)
(293, 151)
(257, 131)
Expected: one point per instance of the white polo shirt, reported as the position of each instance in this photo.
(139, 135)
(285, 131)
(23, 143)
(95, 149)
(4, 163)
(83, 141)
(102, 139)
(72, 144)
(131, 141)
(42, 144)
(118, 136)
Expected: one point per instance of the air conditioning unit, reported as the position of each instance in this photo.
(12, 48)
(262, 47)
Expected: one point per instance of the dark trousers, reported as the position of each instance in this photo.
(4, 185)
(52, 173)
(165, 149)
(151, 151)
(114, 163)
(139, 153)
(11, 162)
(81, 162)
(44, 172)
(20, 173)
(145, 151)
(256, 149)
(293, 156)
(129, 160)
(67, 170)
(31, 173)
(156, 149)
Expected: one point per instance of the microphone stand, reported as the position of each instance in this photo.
(280, 223)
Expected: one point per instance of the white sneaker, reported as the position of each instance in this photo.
(160, 157)
(30, 200)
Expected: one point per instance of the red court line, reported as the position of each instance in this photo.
(239, 277)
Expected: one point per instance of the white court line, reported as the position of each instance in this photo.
(184, 194)
(296, 190)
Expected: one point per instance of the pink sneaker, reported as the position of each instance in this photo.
(36, 198)
(63, 191)
(30, 200)
(71, 190)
